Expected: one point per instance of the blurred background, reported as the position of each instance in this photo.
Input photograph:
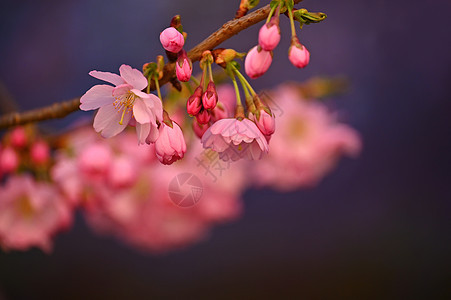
(376, 228)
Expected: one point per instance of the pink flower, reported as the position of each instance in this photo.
(122, 172)
(183, 67)
(257, 62)
(172, 40)
(269, 36)
(307, 145)
(118, 104)
(210, 97)
(30, 214)
(170, 145)
(40, 152)
(234, 139)
(9, 160)
(18, 137)
(265, 121)
(298, 54)
(194, 103)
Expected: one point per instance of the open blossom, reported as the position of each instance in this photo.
(120, 103)
(234, 139)
(257, 62)
(30, 214)
(172, 40)
(170, 145)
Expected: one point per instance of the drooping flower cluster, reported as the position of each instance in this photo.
(259, 58)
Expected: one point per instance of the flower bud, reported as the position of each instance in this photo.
(172, 40)
(194, 103)
(40, 153)
(183, 67)
(18, 137)
(257, 62)
(203, 117)
(265, 120)
(199, 129)
(210, 97)
(269, 36)
(9, 160)
(170, 145)
(298, 54)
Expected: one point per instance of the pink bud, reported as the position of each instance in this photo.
(203, 117)
(40, 153)
(199, 129)
(170, 145)
(265, 121)
(210, 97)
(257, 62)
(9, 161)
(194, 103)
(298, 54)
(18, 137)
(172, 40)
(183, 67)
(269, 36)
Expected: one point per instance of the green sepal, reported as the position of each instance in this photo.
(305, 17)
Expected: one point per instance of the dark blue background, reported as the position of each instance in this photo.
(377, 228)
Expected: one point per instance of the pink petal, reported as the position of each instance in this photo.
(133, 77)
(153, 134)
(140, 112)
(121, 90)
(142, 130)
(97, 96)
(108, 77)
(107, 121)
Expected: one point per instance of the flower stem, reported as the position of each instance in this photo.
(148, 84)
(271, 12)
(243, 79)
(237, 92)
(290, 14)
(157, 85)
(194, 79)
(247, 95)
(211, 72)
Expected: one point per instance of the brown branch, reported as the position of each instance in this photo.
(62, 109)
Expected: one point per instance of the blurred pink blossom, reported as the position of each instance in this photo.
(30, 214)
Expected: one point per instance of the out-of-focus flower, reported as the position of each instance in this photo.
(307, 144)
(298, 54)
(183, 67)
(9, 160)
(170, 145)
(95, 159)
(118, 104)
(172, 40)
(30, 214)
(257, 62)
(234, 139)
(269, 35)
(40, 152)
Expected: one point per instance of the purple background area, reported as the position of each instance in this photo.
(376, 228)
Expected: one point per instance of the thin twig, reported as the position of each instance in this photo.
(62, 109)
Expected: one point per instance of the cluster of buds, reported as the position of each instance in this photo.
(202, 104)
(172, 39)
(259, 58)
(21, 151)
